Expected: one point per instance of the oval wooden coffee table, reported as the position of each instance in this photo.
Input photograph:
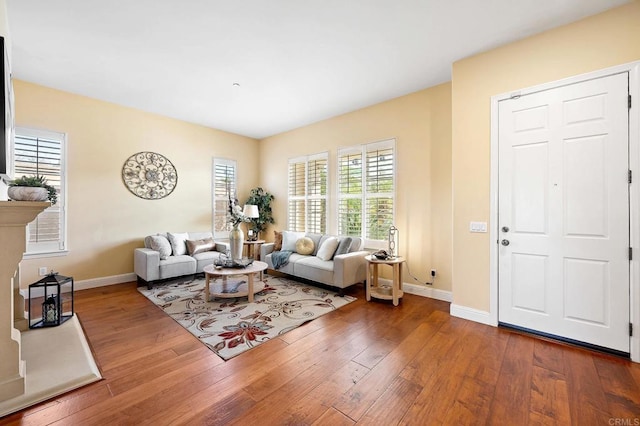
(233, 288)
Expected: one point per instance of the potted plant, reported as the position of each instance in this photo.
(32, 188)
(262, 199)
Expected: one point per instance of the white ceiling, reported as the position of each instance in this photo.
(296, 61)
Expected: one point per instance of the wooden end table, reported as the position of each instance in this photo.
(373, 289)
(239, 289)
(253, 248)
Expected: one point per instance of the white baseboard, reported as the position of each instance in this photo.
(421, 290)
(105, 281)
(471, 314)
(87, 284)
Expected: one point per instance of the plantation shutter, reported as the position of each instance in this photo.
(317, 195)
(366, 191)
(307, 201)
(41, 153)
(350, 192)
(297, 194)
(380, 191)
(224, 185)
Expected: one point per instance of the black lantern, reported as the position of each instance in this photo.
(57, 292)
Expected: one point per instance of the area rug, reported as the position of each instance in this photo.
(230, 326)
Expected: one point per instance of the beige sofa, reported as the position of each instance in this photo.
(341, 271)
(156, 261)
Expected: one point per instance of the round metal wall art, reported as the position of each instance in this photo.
(149, 175)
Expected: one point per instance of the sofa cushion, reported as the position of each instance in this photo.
(315, 269)
(199, 246)
(304, 245)
(277, 242)
(287, 268)
(178, 242)
(327, 248)
(205, 258)
(176, 266)
(343, 246)
(160, 244)
(289, 239)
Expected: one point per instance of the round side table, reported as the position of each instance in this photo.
(373, 287)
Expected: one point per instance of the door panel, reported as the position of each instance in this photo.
(563, 194)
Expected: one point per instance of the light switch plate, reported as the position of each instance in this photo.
(478, 226)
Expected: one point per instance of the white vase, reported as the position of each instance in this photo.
(28, 193)
(236, 240)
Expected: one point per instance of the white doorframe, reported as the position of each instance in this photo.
(633, 69)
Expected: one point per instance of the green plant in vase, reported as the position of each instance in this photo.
(262, 199)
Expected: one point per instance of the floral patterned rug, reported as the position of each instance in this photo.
(231, 326)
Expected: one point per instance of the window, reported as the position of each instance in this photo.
(366, 191)
(308, 193)
(224, 186)
(42, 153)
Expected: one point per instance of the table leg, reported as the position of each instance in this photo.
(396, 279)
(250, 285)
(206, 288)
(369, 278)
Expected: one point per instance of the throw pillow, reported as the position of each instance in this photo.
(304, 246)
(289, 239)
(160, 244)
(328, 247)
(199, 246)
(277, 242)
(343, 246)
(316, 241)
(178, 243)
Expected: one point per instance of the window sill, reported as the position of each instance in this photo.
(45, 254)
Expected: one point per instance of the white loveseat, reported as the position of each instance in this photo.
(341, 270)
(187, 253)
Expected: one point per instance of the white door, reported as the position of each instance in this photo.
(564, 212)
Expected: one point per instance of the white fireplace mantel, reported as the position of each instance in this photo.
(14, 217)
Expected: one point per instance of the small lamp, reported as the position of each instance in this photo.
(251, 211)
(393, 241)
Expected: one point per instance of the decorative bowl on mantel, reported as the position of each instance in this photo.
(28, 193)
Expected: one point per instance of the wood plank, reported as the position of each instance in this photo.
(619, 386)
(393, 404)
(334, 418)
(316, 402)
(446, 379)
(587, 401)
(549, 397)
(513, 389)
(357, 400)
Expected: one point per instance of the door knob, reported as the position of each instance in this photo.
(505, 229)
(504, 242)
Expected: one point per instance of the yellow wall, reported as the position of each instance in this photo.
(105, 221)
(601, 41)
(421, 124)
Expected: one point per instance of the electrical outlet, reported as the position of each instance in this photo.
(42, 271)
(433, 273)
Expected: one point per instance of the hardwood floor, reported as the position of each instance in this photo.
(367, 363)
